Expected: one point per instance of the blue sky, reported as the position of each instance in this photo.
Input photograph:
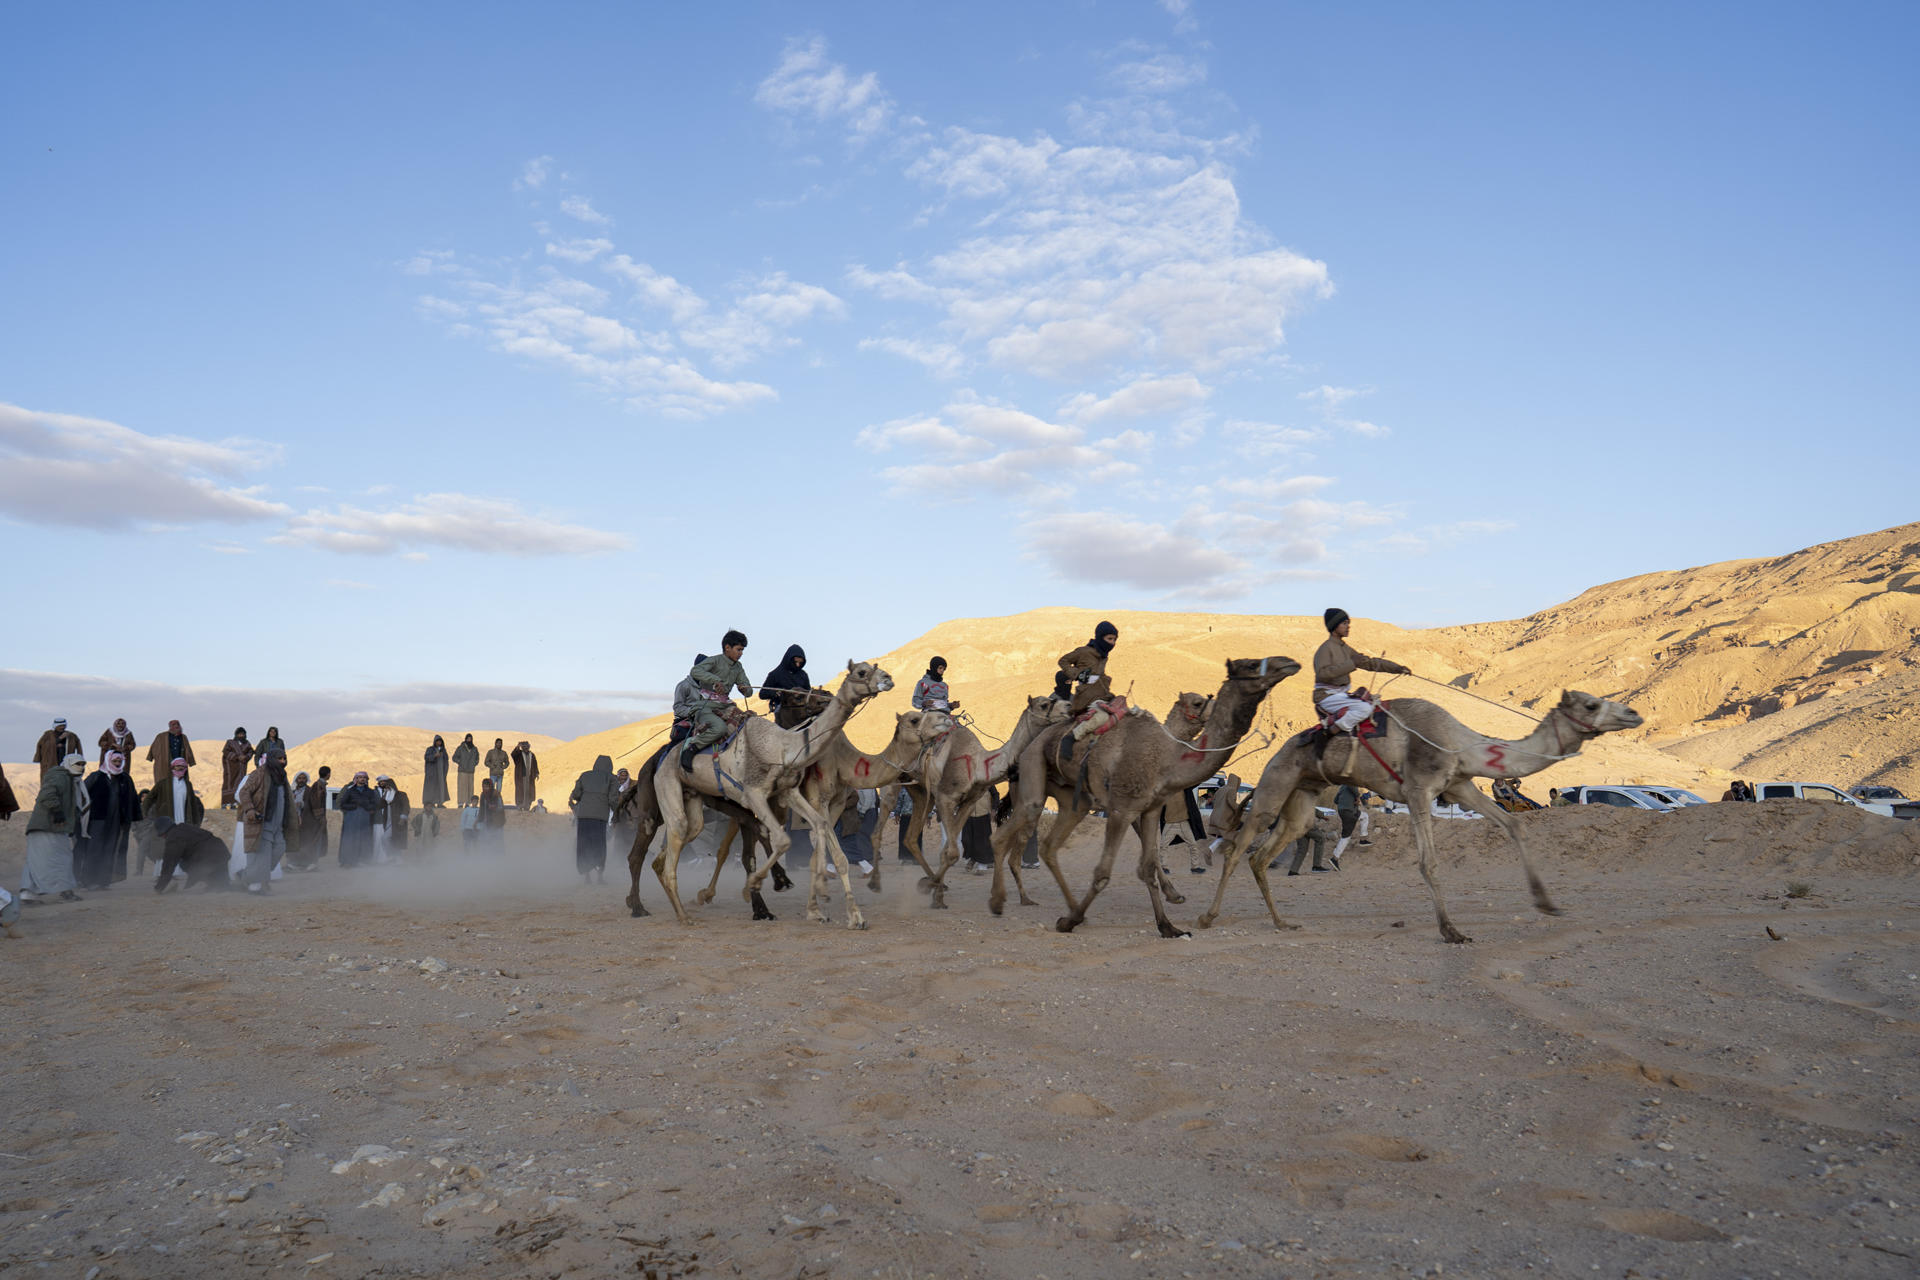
(484, 362)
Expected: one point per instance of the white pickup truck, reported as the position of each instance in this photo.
(1817, 791)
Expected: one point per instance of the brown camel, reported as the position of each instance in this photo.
(1128, 771)
(640, 805)
(759, 763)
(840, 771)
(1424, 755)
(957, 772)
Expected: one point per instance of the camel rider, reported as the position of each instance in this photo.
(1082, 678)
(714, 680)
(790, 674)
(930, 693)
(1333, 666)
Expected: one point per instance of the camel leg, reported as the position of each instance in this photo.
(1063, 827)
(1420, 810)
(1029, 802)
(637, 865)
(1152, 873)
(760, 911)
(1117, 828)
(720, 860)
(680, 829)
(916, 845)
(775, 832)
(1463, 793)
(1295, 818)
(1269, 798)
(827, 845)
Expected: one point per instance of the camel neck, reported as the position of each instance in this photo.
(1552, 739)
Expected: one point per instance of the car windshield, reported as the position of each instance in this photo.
(1674, 796)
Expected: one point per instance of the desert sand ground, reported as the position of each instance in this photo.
(474, 1067)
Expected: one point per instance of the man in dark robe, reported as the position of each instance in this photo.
(116, 738)
(398, 807)
(357, 803)
(466, 758)
(313, 819)
(234, 759)
(592, 803)
(268, 745)
(168, 747)
(526, 772)
(433, 788)
(9, 803)
(113, 803)
(55, 745)
(203, 855)
(177, 802)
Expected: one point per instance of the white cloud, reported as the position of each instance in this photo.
(490, 525)
(758, 320)
(972, 445)
(1269, 439)
(533, 175)
(1329, 400)
(58, 468)
(582, 208)
(1161, 73)
(1141, 398)
(29, 699)
(806, 83)
(942, 359)
(578, 250)
(1107, 547)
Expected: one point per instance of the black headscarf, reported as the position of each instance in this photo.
(936, 661)
(1100, 644)
(789, 674)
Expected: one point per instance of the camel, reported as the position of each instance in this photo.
(757, 764)
(956, 774)
(641, 806)
(1424, 755)
(1129, 771)
(843, 769)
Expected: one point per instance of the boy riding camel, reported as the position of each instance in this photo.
(713, 680)
(1333, 666)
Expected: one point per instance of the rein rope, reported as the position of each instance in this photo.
(1545, 755)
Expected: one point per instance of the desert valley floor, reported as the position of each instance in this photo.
(466, 1068)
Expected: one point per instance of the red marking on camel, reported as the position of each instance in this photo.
(1201, 741)
(1497, 756)
(967, 761)
(986, 766)
(861, 767)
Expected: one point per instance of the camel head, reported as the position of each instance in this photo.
(1259, 674)
(1593, 715)
(864, 680)
(1047, 709)
(1189, 713)
(921, 726)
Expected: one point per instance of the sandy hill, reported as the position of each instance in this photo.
(1799, 666)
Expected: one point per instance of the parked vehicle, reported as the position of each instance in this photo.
(1822, 791)
(1439, 810)
(1873, 794)
(1677, 797)
(1622, 797)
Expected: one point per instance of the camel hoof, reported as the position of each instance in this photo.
(1025, 901)
(1175, 897)
(760, 912)
(703, 897)
(781, 880)
(926, 884)
(1065, 924)
(1168, 931)
(637, 911)
(995, 904)
(1548, 909)
(1454, 935)
(856, 924)
(1204, 922)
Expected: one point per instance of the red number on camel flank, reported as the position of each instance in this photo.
(1496, 756)
(862, 767)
